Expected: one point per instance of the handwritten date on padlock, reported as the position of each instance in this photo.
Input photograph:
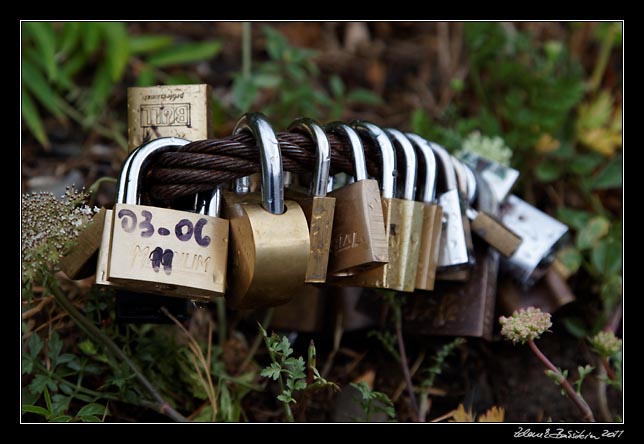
(183, 230)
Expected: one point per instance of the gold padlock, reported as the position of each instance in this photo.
(269, 237)
(164, 251)
(183, 111)
(432, 216)
(359, 242)
(400, 222)
(413, 211)
(317, 206)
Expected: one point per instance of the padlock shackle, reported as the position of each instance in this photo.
(343, 130)
(472, 183)
(380, 138)
(429, 186)
(131, 177)
(411, 164)
(270, 158)
(320, 180)
(210, 206)
(461, 176)
(449, 176)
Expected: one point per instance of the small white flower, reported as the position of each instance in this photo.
(525, 325)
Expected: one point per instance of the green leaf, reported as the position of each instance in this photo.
(549, 170)
(35, 409)
(299, 384)
(185, 53)
(584, 164)
(606, 257)
(70, 37)
(273, 371)
(575, 218)
(118, 50)
(35, 82)
(92, 409)
(611, 292)
(91, 36)
(54, 346)
(43, 34)
(89, 418)
(146, 77)
(35, 344)
(285, 397)
(595, 229)
(361, 95)
(571, 258)
(32, 119)
(265, 80)
(610, 176)
(61, 418)
(99, 93)
(148, 43)
(337, 86)
(87, 347)
(27, 364)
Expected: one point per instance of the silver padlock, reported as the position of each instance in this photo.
(453, 251)
(499, 177)
(542, 235)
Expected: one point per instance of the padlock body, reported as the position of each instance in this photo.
(168, 252)
(497, 235)
(359, 242)
(268, 252)
(81, 261)
(403, 225)
(453, 247)
(429, 246)
(319, 212)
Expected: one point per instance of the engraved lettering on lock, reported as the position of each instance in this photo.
(171, 97)
(165, 114)
(346, 241)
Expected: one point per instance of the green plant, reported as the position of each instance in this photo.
(71, 69)
(287, 85)
(289, 371)
(372, 401)
(526, 325)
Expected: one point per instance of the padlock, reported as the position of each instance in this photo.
(549, 294)
(165, 251)
(432, 215)
(454, 257)
(358, 242)
(492, 231)
(183, 111)
(413, 211)
(501, 178)
(400, 218)
(317, 206)
(542, 236)
(269, 237)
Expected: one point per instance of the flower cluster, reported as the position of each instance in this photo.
(525, 325)
(493, 148)
(606, 344)
(50, 227)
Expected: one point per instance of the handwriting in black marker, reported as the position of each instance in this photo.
(155, 258)
(146, 225)
(178, 230)
(163, 231)
(166, 261)
(128, 220)
(205, 240)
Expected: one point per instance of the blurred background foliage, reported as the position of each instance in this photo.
(552, 93)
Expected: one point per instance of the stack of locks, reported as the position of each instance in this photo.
(444, 230)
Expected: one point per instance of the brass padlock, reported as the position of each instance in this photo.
(413, 211)
(359, 242)
(488, 228)
(317, 206)
(269, 237)
(454, 257)
(164, 251)
(183, 111)
(432, 215)
(399, 218)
